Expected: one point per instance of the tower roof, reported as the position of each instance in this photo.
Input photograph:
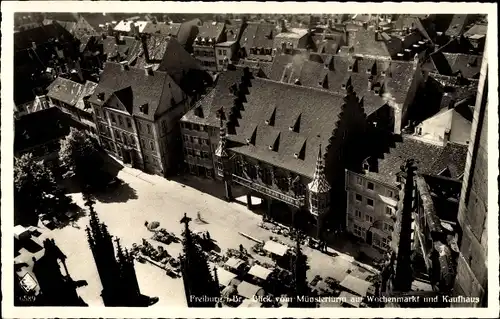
(319, 183)
(221, 148)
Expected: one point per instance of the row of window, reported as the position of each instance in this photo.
(371, 186)
(204, 53)
(360, 232)
(359, 199)
(194, 127)
(368, 218)
(197, 153)
(207, 63)
(195, 140)
(151, 144)
(124, 121)
(222, 52)
(200, 170)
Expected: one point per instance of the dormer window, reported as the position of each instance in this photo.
(144, 108)
(349, 68)
(296, 155)
(383, 73)
(368, 71)
(267, 122)
(270, 147)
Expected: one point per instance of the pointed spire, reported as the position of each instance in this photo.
(319, 183)
(119, 251)
(221, 147)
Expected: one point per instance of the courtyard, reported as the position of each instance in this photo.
(149, 198)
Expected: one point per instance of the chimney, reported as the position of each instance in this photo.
(134, 29)
(117, 38)
(377, 35)
(100, 96)
(103, 36)
(283, 25)
(148, 70)
(109, 28)
(447, 134)
(330, 24)
(145, 49)
(33, 45)
(124, 65)
(370, 82)
(365, 25)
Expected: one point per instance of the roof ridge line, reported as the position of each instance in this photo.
(333, 93)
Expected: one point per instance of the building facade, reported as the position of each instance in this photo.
(258, 135)
(204, 46)
(136, 113)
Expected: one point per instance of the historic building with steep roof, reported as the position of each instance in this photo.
(274, 133)
(136, 113)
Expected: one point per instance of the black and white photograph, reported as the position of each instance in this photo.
(165, 158)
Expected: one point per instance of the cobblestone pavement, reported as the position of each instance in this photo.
(153, 198)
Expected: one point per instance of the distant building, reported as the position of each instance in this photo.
(136, 113)
(71, 98)
(289, 39)
(452, 64)
(458, 25)
(165, 29)
(204, 46)
(40, 132)
(257, 41)
(130, 27)
(228, 51)
(477, 36)
(373, 193)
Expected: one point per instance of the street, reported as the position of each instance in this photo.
(153, 198)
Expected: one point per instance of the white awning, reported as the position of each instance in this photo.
(276, 248)
(350, 299)
(225, 277)
(248, 290)
(260, 272)
(233, 262)
(356, 285)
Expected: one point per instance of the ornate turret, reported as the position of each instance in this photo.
(319, 192)
(222, 158)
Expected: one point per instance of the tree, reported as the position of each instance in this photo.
(79, 156)
(35, 191)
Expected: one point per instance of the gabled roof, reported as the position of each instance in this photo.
(319, 112)
(451, 63)
(457, 25)
(476, 29)
(364, 43)
(432, 159)
(258, 35)
(234, 29)
(162, 28)
(65, 90)
(211, 30)
(144, 89)
(126, 48)
(311, 69)
(24, 39)
(125, 25)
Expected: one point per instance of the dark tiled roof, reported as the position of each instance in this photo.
(432, 159)
(187, 31)
(477, 29)
(40, 35)
(256, 65)
(137, 87)
(183, 68)
(96, 19)
(258, 35)
(233, 29)
(65, 90)
(162, 28)
(39, 127)
(365, 43)
(328, 47)
(318, 112)
(310, 70)
(127, 48)
(451, 63)
(457, 25)
(211, 30)
(157, 48)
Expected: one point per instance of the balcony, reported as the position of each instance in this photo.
(294, 201)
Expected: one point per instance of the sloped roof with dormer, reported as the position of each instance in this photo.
(312, 69)
(134, 88)
(318, 111)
